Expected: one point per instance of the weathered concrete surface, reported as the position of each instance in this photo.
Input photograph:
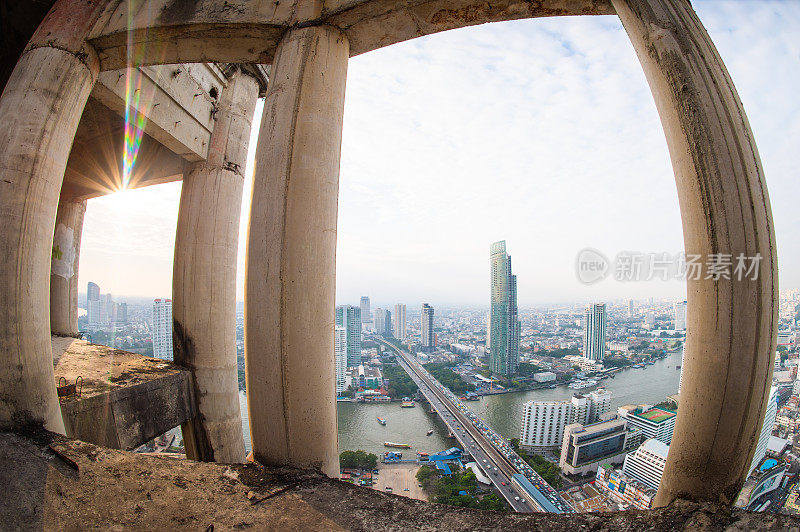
(204, 279)
(175, 31)
(40, 109)
(94, 167)
(126, 399)
(176, 100)
(725, 211)
(291, 254)
(64, 267)
(53, 483)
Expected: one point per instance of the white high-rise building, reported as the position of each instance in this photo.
(599, 404)
(580, 409)
(383, 322)
(428, 340)
(93, 306)
(399, 322)
(340, 354)
(594, 332)
(766, 428)
(543, 424)
(646, 464)
(162, 329)
(680, 315)
(366, 314)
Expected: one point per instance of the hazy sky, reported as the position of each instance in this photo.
(540, 132)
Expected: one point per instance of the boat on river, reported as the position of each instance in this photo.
(396, 445)
(381, 421)
(430, 432)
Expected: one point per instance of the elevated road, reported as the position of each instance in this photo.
(497, 465)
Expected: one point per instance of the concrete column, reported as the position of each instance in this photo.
(41, 106)
(731, 323)
(291, 254)
(204, 278)
(64, 267)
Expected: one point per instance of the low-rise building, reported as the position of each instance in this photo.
(658, 423)
(623, 489)
(544, 376)
(646, 464)
(584, 446)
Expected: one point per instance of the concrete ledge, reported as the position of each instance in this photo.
(53, 483)
(126, 400)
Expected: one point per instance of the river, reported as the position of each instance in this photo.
(359, 428)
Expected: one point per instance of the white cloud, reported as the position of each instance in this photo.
(541, 132)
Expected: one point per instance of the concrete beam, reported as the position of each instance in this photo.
(204, 279)
(249, 32)
(64, 267)
(291, 254)
(178, 107)
(731, 323)
(41, 106)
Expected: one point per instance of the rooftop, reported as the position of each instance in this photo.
(655, 415)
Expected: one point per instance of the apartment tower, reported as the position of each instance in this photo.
(504, 320)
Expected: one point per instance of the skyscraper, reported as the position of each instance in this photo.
(366, 313)
(504, 322)
(680, 315)
(340, 355)
(383, 322)
(349, 317)
(766, 429)
(399, 323)
(93, 306)
(594, 332)
(428, 338)
(162, 329)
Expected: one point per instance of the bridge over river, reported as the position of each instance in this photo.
(491, 452)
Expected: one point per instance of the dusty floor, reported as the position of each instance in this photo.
(51, 483)
(400, 477)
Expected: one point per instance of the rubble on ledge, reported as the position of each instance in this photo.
(52, 482)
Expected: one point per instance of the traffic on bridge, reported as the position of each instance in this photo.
(514, 479)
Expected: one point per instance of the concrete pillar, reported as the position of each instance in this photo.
(41, 106)
(204, 278)
(291, 254)
(64, 267)
(731, 323)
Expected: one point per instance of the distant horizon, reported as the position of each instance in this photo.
(551, 142)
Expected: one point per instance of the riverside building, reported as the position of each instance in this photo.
(503, 316)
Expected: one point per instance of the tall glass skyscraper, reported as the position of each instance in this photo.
(399, 323)
(349, 317)
(366, 313)
(428, 339)
(504, 320)
(594, 332)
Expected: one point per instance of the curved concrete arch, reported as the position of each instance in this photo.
(724, 203)
(169, 31)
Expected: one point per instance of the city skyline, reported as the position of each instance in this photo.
(624, 200)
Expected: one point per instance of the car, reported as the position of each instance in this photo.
(516, 498)
(503, 483)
